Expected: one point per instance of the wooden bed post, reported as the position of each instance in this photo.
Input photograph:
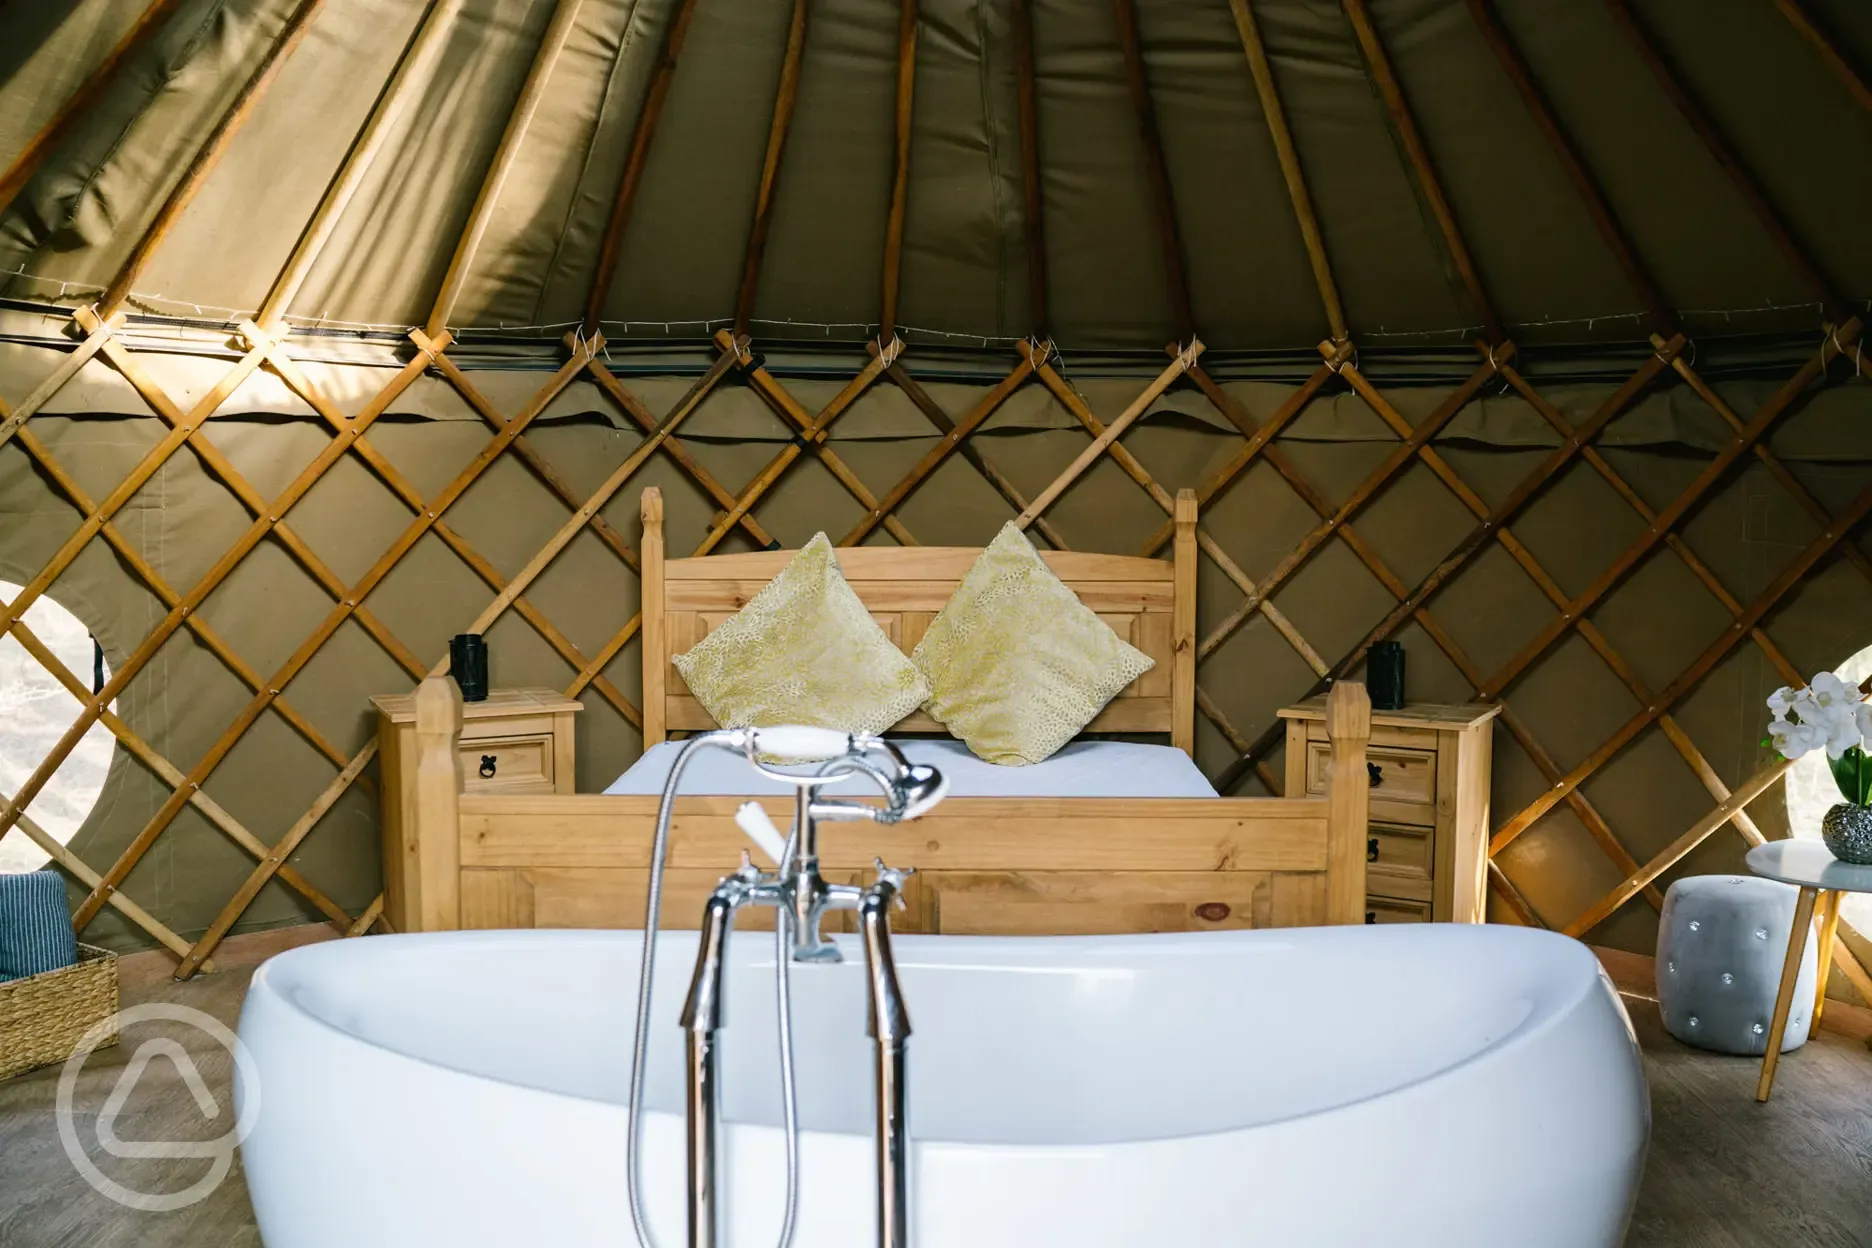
(656, 666)
(1183, 627)
(1348, 796)
(432, 878)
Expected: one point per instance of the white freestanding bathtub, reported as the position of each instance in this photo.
(1431, 1085)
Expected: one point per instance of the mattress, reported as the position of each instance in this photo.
(1082, 769)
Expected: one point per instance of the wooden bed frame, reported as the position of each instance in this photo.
(984, 865)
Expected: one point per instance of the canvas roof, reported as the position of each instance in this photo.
(1542, 259)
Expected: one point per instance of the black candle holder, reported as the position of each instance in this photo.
(1384, 676)
(468, 663)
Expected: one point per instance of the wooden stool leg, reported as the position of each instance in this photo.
(1829, 930)
(1784, 999)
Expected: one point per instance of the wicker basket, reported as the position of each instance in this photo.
(42, 1017)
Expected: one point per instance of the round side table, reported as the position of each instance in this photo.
(1819, 876)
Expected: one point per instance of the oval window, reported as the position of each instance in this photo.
(35, 711)
(1811, 791)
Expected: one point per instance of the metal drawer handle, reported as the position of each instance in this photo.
(1371, 849)
(488, 766)
(1213, 911)
(1376, 773)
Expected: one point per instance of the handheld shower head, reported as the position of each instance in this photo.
(909, 789)
(915, 792)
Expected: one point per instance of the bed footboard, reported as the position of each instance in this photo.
(1027, 866)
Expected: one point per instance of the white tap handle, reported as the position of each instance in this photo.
(797, 742)
(753, 820)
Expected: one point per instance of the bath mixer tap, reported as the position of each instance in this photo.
(798, 886)
(800, 895)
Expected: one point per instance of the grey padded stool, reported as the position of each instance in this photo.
(1721, 943)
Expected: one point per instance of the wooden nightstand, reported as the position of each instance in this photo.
(517, 741)
(1427, 851)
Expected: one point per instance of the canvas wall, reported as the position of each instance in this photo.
(1659, 619)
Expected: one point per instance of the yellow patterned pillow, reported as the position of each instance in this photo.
(804, 650)
(1017, 665)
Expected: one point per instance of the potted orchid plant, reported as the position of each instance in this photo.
(1831, 714)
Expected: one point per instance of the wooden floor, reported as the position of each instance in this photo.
(1724, 1172)
(46, 1203)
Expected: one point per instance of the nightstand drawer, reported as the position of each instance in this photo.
(507, 764)
(1403, 781)
(1400, 857)
(1396, 910)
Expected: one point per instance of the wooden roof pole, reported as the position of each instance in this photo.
(1033, 219)
(1291, 171)
(109, 307)
(770, 168)
(557, 32)
(1176, 269)
(900, 178)
(1663, 319)
(1418, 157)
(1718, 148)
(1828, 49)
(27, 163)
(208, 156)
(412, 69)
(647, 118)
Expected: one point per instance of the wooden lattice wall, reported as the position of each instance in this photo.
(265, 343)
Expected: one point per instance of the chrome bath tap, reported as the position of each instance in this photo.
(800, 895)
(798, 887)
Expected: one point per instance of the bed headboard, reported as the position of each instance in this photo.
(1149, 602)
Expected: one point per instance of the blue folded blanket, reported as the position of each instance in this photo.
(35, 925)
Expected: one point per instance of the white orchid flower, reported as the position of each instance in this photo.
(1830, 691)
(1828, 714)
(1842, 734)
(1790, 739)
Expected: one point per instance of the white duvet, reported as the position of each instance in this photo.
(1082, 769)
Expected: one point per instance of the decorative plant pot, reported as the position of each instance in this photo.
(1847, 831)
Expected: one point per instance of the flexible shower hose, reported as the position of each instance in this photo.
(783, 994)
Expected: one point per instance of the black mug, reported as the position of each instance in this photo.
(1384, 676)
(468, 663)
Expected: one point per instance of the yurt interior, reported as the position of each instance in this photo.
(1272, 581)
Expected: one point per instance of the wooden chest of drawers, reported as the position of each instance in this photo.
(516, 741)
(1426, 854)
